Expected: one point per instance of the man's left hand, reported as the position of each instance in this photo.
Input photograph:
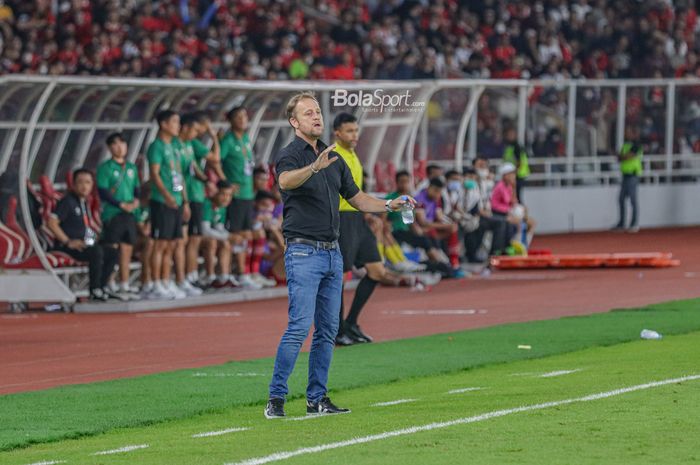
(400, 201)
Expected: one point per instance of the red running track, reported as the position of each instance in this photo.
(40, 350)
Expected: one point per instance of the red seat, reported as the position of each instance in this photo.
(25, 246)
(391, 176)
(420, 171)
(7, 245)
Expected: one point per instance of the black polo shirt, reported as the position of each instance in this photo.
(69, 212)
(311, 210)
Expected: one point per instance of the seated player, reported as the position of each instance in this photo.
(413, 234)
(217, 239)
(270, 227)
(144, 242)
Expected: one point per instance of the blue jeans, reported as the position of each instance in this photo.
(315, 280)
(628, 189)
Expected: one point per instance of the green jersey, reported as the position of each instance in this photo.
(237, 163)
(397, 223)
(171, 168)
(214, 215)
(119, 180)
(196, 188)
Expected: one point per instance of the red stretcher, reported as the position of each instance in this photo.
(601, 260)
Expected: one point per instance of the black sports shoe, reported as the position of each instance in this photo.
(274, 408)
(324, 407)
(357, 334)
(343, 339)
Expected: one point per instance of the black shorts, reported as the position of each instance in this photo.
(194, 227)
(358, 243)
(166, 223)
(239, 215)
(121, 229)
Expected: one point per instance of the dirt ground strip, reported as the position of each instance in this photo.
(43, 350)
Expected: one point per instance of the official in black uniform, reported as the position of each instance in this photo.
(72, 225)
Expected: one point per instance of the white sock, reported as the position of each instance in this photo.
(193, 276)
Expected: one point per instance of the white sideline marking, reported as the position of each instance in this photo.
(460, 421)
(122, 449)
(469, 389)
(50, 462)
(219, 433)
(307, 417)
(552, 374)
(469, 311)
(187, 314)
(393, 402)
(222, 375)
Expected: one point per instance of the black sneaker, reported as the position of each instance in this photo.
(343, 339)
(357, 334)
(274, 408)
(324, 407)
(98, 295)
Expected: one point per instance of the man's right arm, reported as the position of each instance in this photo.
(62, 238)
(291, 179)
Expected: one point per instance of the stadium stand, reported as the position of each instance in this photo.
(334, 39)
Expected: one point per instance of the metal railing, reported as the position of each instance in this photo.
(572, 129)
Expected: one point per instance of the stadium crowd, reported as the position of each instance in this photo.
(340, 39)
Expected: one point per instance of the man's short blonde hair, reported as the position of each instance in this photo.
(292, 104)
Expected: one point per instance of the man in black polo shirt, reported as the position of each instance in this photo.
(311, 179)
(70, 224)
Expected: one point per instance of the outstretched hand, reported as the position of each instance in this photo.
(402, 200)
(324, 161)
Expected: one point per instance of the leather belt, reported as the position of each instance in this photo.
(317, 244)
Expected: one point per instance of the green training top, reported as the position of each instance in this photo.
(196, 188)
(164, 155)
(120, 181)
(237, 162)
(397, 223)
(213, 215)
(142, 215)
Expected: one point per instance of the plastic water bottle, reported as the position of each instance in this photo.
(649, 334)
(407, 212)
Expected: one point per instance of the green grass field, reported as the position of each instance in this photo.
(461, 389)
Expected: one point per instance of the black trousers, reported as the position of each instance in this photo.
(100, 259)
(473, 240)
(519, 189)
